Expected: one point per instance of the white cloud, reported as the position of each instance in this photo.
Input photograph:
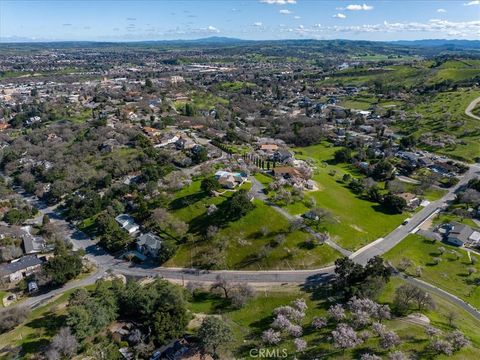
(429, 29)
(355, 7)
(340, 16)
(285, 12)
(212, 29)
(471, 3)
(441, 10)
(258, 24)
(296, 17)
(278, 2)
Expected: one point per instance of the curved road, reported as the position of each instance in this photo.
(107, 263)
(470, 107)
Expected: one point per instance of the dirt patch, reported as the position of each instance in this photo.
(197, 320)
(316, 187)
(7, 302)
(418, 319)
(357, 228)
(427, 224)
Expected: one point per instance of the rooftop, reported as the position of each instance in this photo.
(20, 264)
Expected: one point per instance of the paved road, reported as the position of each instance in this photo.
(442, 293)
(470, 107)
(40, 299)
(396, 236)
(106, 262)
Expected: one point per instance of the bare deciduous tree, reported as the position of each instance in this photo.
(63, 345)
(224, 285)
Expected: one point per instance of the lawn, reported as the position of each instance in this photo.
(409, 76)
(451, 274)
(249, 322)
(357, 222)
(433, 194)
(443, 114)
(41, 325)
(464, 322)
(265, 180)
(2, 295)
(363, 101)
(245, 247)
(207, 101)
(444, 218)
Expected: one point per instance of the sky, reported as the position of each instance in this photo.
(134, 20)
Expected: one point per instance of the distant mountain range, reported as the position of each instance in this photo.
(465, 44)
(429, 46)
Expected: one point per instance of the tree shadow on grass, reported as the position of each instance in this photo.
(260, 325)
(219, 304)
(34, 346)
(50, 324)
(383, 209)
(219, 218)
(187, 200)
(248, 260)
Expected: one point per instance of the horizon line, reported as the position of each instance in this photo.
(126, 41)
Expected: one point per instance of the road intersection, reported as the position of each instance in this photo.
(107, 263)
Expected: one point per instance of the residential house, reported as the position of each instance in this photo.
(459, 234)
(34, 244)
(411, 199)
(282, 156)
(33, 120)
(127, 223)
(286, 171)
(149, 244)
(184, 143)
(229, 180)
(444, 168)
(176, 79)
(4, 126)
(151, 132)
(269, 147)
(180, 349)
(18, 269)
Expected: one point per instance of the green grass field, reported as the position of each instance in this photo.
(443, 114)
(450, 274)
(2, 295)
(244, 242)
(265, 180)
(443, 218)
(41, 325)
(357, 222)
(409, 76)
(249, 322)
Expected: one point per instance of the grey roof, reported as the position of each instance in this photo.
(32, 244)
(460, 232)
(149, 240)
(21, 264)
